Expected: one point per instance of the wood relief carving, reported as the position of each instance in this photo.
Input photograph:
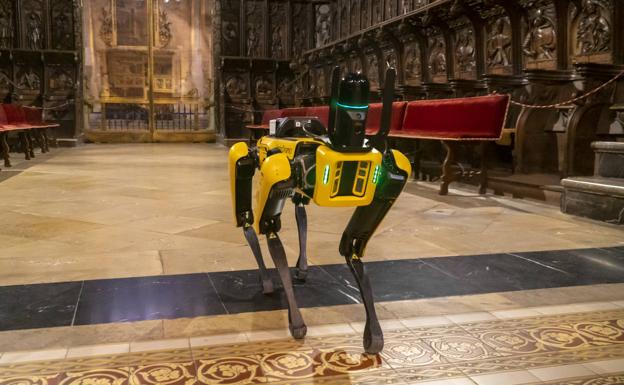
(373, 70)
(593, 31)
(230, 28)
(28, 79)
(236, 87)
(355, 16)
(391, 9)
(32, 16)
(278, 30)
(323, 25)
(465, 54)
(437, 58)
(254, 29)
(6, 24)
(499, 46)
(377, 11)
(540, 42)
(390, 59)
(344, 18)
(62, 25)
(412, 64)
(61, 80)
(5, 81)
(264, 87)
(106, 27)
(164, 29)
(299, 39)
(321, 83)
(364, 18)
(406, 6)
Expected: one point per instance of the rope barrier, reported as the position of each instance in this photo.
(569, 101)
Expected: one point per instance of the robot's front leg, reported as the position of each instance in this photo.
(242, 167)
(360, 229)
(276, 187)
(301, 271)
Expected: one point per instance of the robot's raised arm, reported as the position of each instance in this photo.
(379, 140)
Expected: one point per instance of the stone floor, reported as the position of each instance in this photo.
(113, 211)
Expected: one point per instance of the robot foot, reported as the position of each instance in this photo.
(300, 274)
(373, 340)
(298, 332)
(267, 286)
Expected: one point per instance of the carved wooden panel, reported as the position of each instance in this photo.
(343, 25)
(436, 61)
(392, 9)
(264, 87)
(230, 28)
(365, 13)
(278, 23)
(323, 25)
(499, 46)
(540, 38)
(377, 11)
(354, 13)
(412, 64)
(7, 23)
(236, 86)
(34, 24)
(592, 31)
(254, 28)
(300, 39)
(62, 25)
(372, 70)
(465, 53)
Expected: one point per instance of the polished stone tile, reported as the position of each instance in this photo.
(123, 300)
(38, 306)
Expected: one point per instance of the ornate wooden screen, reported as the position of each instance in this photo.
(149, 70)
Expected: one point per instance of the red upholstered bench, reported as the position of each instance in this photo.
(453, 121)
(34, 117)
(373, 120)
(13, 119)
(257, 130)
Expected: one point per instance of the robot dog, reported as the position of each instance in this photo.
(335, 166)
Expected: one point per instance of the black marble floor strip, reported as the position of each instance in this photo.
(192, 295)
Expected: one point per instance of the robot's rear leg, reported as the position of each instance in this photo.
(296, 325)
(252, 240)
(301, 270)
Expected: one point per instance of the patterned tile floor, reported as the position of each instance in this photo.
(572, 348)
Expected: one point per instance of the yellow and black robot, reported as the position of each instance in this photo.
(335, 166)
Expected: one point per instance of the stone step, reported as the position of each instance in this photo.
(594, 197)
(609, 159)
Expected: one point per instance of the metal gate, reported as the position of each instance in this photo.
(148, 70)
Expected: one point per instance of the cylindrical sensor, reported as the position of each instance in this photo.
(351, 110)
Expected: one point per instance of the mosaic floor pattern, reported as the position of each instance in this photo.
(577, 348)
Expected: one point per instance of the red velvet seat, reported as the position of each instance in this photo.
(321, 112)
(373, 120)
(15, 117)
(34, 117)
(294, 112)
(475, 118)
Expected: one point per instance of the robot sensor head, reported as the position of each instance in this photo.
(350, 107)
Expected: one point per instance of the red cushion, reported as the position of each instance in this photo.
(3, 117)
(373, 120)
(480, 117)
(321, 112)
(294, 111)
(270, 114)
(14, 114)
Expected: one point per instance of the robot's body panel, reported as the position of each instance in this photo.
(338, 170)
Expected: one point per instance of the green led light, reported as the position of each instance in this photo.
(326, 175)
(353, 107)
(376, 174)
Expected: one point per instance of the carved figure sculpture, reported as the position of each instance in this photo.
(277, 48)
(465, 51)
(34, 34)
(437, 58)
(412, 63)
(406, 5)
(377, 12)
(321, 86)
(252, 41)
(106, 29)
(594, 30)
(264, 88)
(541, 40)
(61, 35)
(164, 29)
(235, 86)
(498, 45)
(299, 44)
(323, 26)
(391, 61)
(6, 30)
(373, 69)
